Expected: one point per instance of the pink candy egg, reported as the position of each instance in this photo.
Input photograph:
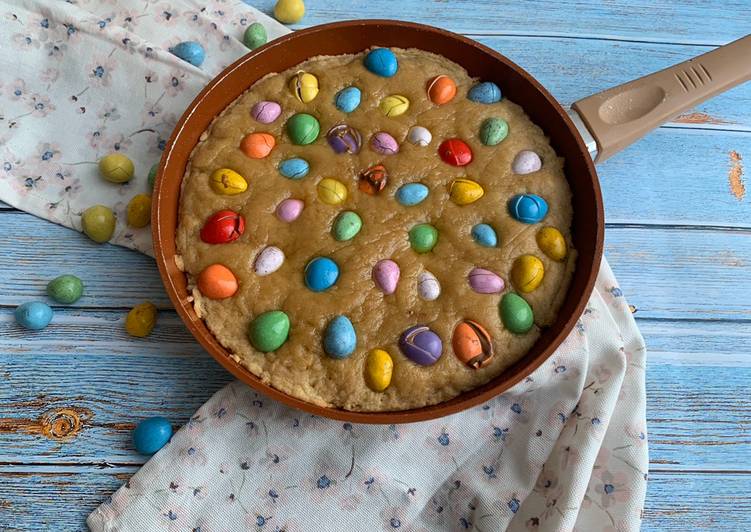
(484, 281)
(386, 276)
(266, 112)
(384, 143)
(290, 209)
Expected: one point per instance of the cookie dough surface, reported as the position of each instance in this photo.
(300, 367)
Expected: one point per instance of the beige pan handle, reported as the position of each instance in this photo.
(621, 115)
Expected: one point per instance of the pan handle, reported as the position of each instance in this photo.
(619, 116)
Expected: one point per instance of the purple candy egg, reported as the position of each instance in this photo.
(344, 139)
(386, 275)
(421, 345)
(290, 209)
(266, 112)
(384, 143)
(484, 281)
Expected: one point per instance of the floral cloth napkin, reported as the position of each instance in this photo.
(563, 450)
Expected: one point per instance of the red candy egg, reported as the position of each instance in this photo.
(455, 152)
(223, 227)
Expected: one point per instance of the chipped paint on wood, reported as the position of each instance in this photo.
(735, 176)
(60, 424)
(700, 118)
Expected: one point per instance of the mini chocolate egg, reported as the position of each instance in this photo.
(411, 194)
(266, 111)
(372, 180)
(217, 282)
(493, 131)
(346, 226)
(484, 281)
(394, 105)
(331, 191)
(423, 238)
(419, 136)
(348, 99)
(381, 62)
(98, 222)
(268, 331)
(339, 338)
(527, 273)
(551, 242)
(465, 191)
(526, 162)
(455, 152)
(303, 129)
(141, 320)
(421, 345)
(151, 434)
(255, 36)
(227, 182)
(289, 209)
(304, 86)
(257, 145)
(321, 273)
(441, 89)
(384, 143)
(379, 368)
(516, 314)
(222, 227)
(33, 315)
(485, 235)
(528, 208)
(386, 276)
(152, 174)
(268, 261)
(138, 213)
(190, 51)
(486, 92)
(116, 168)
(65, 289)
(344, 139)
(289, 11)
(428, 287)
(472, 344)
(294, 168)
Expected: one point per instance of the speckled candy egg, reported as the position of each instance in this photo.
(138, 213)
(394, 105)
(65, 289)
(472, 344)
(527, 273)
(528, 208)
(486, 92)
(344, 139)
(141, 320)
(372, 180)
(339, 338)
(485, 235)
(294, 168)
(331, 191)
(551, 242)
(255, 36)
(384, 143)
(269, 260)
(441, 89)
(465, 191)
(227, 182)
(484, 281)
(268, 331)
(223, 227)
(321, 273)
(152, 174)
(346, 226)
(421, 345)
(411, 194)
(116, 168)
(289, 209)
(257, 145)
(348, 99)
(190, 51)
(382, 62)
(526, 162)
(419, 136)
(379, 368)
(151, 434)
(386, 276)
(493, 131)
(304, 86)
(423, 238)
(217, 282)
(266, 111)
(303, 129)
(455, 152)
(428, 287)
(516, 314)
(33, 315)
(98, 222)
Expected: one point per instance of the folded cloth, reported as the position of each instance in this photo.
(565, 449)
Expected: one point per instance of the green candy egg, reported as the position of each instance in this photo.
(346, 226)
(516, 314)
(423, 237)
(255, 36)
(493, 131)
(303, 128)
(65, 289)
(98, 222)
(268, 331)
(152, 174)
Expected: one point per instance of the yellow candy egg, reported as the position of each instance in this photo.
(331, 191)
(141, 320)
(227, 182)
(552, 243)
(378, 370)
(527, 273)
(289, 11)
(116, 168)
(139, 211)
(465, 191)
(304, 86)
(394, 105)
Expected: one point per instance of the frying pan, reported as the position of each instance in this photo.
(593, 130)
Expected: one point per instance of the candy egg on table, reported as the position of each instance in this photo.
(304, 86)
(472, 344)
(257, 145)
(465, 191)
(346, 226)
(227, 182)
(289, 11)
(265, 111)
(455, 152)
(321, 273)
(331, 191)
(223, 227)
(527, 273)
(493, 130)
(551, 242)
(441, 89)
(303, 129)
(98, 222)
(268, 331)
(528, 208)
(33, 315)
(394, 105)
(116, 168)
(339, 338)
(384, 143)
(190, 51)
(348, 99)
(379, 368)
(381, 62)
(411, 194)
(419, 136)
(269, 260)
(372, 180)
(526, 162)
(344, 139)
(421, 345)
(65, 289)
(141, 320)
(485, 281)
(217, 282)
(386, 276)
(423, 238)
(152, 434)
(289, 209)
(428, 287)
(152, 174)
(486, 92)
(255, 36)
(139, 211)
(485, 235)
(294, 168)
(516, 314)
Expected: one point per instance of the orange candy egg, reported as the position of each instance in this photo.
(441, 89)
(217, 282)
(257, 145)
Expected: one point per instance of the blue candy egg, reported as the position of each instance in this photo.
(347, 100)
(485, 235)
(33, 315)
(321, 274)
(412, 194)
(381, 62)
(339, 339)
(189, 51)
(485, 92)
(528, 208)
(152, 434)
(294, 168)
